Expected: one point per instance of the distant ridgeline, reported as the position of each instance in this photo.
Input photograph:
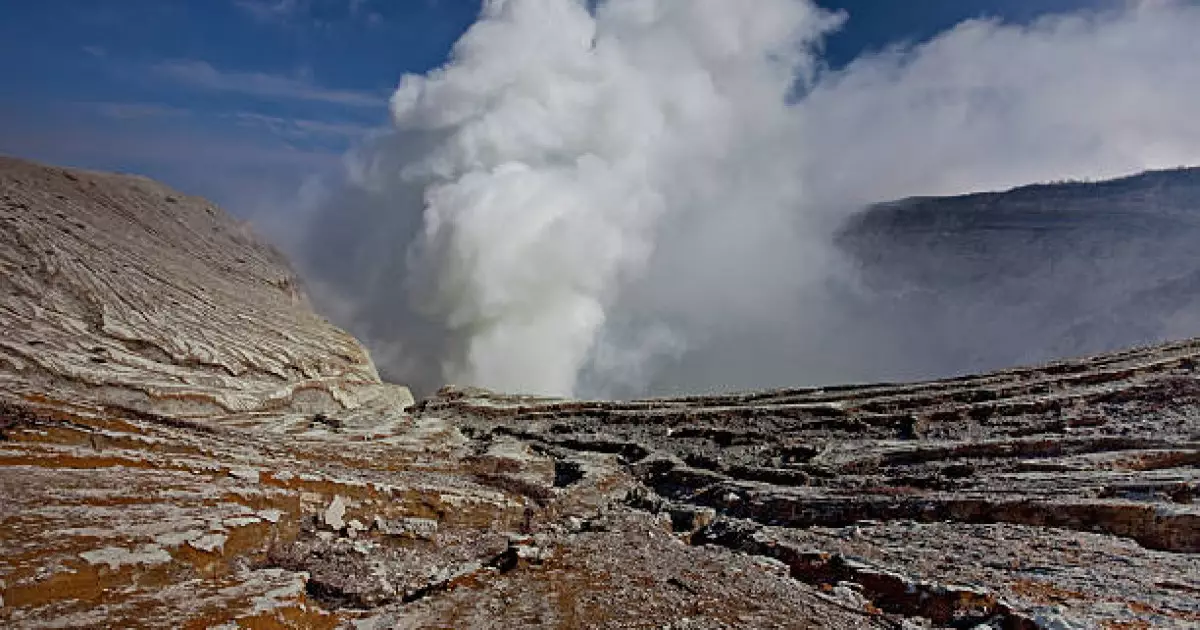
(987, 280)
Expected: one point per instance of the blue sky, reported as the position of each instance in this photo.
(240, 100)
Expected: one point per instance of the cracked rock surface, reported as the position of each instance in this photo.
(183, 443)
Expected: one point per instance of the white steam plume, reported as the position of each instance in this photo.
(640, 195)
(565, 138)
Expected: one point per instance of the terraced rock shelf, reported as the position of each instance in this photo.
(183, 443)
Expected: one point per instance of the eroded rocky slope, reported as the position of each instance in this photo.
(1060, 496)
(118, 289)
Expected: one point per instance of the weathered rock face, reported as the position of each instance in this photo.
(1053, 497)
(120, 290)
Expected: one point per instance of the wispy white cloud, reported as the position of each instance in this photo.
(302, 128)
(362, 9)
(204, 76)
(316, 13)
(132, 111)
(269, 10)
(208, 151)
(95, 51)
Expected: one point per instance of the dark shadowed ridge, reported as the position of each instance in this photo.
(986, 280)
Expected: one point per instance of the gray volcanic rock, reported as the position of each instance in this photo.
(982, 499)
(184, 444)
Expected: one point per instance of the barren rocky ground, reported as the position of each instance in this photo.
(183, 443)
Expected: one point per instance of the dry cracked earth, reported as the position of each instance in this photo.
(184, 443)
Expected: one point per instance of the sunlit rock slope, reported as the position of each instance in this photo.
(118, 290)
